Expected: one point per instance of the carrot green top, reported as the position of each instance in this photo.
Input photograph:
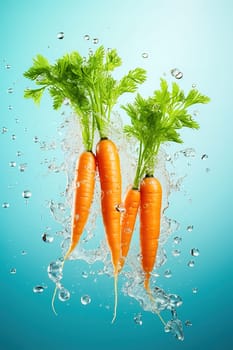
(157, 119)
(87, 83)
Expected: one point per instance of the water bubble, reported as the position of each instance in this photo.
(204, 157)
(8, 66)
(194, 252)
(176, 252)
(188, 323)
(55, 270)
(13, 271)
(47, 238)
(195, 113)
(60, 35)
(176, 328)
(177, 240)
(13, 137)
(63, 294)
(191, 263)
(189, 152)
(36, 139)
(38, 289)
(168, 274)
(85, 299)
(26, 194)
(10, 107)
(174, 301)
(18, 153)
(84, 274)
(22, 167)
(189, 228)
(95, 41)
(12, 164)
(23, 252)
(145, 55)
(138, 319)
(194, 86)
(4, 130)
(10, 90)
(86, 37)
(5, 205)
(195, 290)
(120, 208)
(90, 51)
(207, 170)
(176, 73)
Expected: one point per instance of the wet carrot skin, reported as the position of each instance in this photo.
(150, 214)
(128, 219)
(84, 183)
(108, 163)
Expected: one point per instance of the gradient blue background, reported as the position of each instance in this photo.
(195, 36)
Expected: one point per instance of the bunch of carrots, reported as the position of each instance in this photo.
(93, 92)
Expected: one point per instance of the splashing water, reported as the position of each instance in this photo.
(92, 250)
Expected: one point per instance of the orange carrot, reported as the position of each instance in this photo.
(84, 182)
(83, 195)
(128, 219)
(108, 163)
(150, 212)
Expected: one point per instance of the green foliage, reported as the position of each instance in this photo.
(87, 83)
(158, 119)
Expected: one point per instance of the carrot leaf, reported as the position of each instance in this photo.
(158, 119)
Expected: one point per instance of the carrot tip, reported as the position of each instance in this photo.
(116, 297)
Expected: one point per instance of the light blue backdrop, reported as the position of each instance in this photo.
(196, 37)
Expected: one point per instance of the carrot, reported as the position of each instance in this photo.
(128, 219)
(108, 163)
(84, 183)
(150, 212)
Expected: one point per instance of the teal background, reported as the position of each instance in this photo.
(196, 37)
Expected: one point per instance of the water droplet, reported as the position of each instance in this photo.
(8, 66)
(38, 289)
(189, 152)
(36, 139)
(189, 228)
(13, 137)
(12, 164)
(10, 90)
(86, 37)
(195, 290)
(204, 157)
(84, 274)
(10, 107)
(188, 323)
(26, 194)
(176, 73)
(194, 86)
(13, 271)
(85, 299)
(90, 51)
(4, 130)
(138, 319)
(168, 274)
(176, 252)
(120, 208)
(60, 35)
(55, 270)
(191, 263)
(18, 153)
(194, 252)
(175, 327)
(23, 252)
(63, 294)
(95, 41)
(5, 205)
(47, 238)
(145, 55)
(22, 167)
(174, 301)
(177, 240)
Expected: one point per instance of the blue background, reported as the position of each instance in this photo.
(196, 37)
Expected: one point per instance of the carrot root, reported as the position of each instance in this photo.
(115, 297)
